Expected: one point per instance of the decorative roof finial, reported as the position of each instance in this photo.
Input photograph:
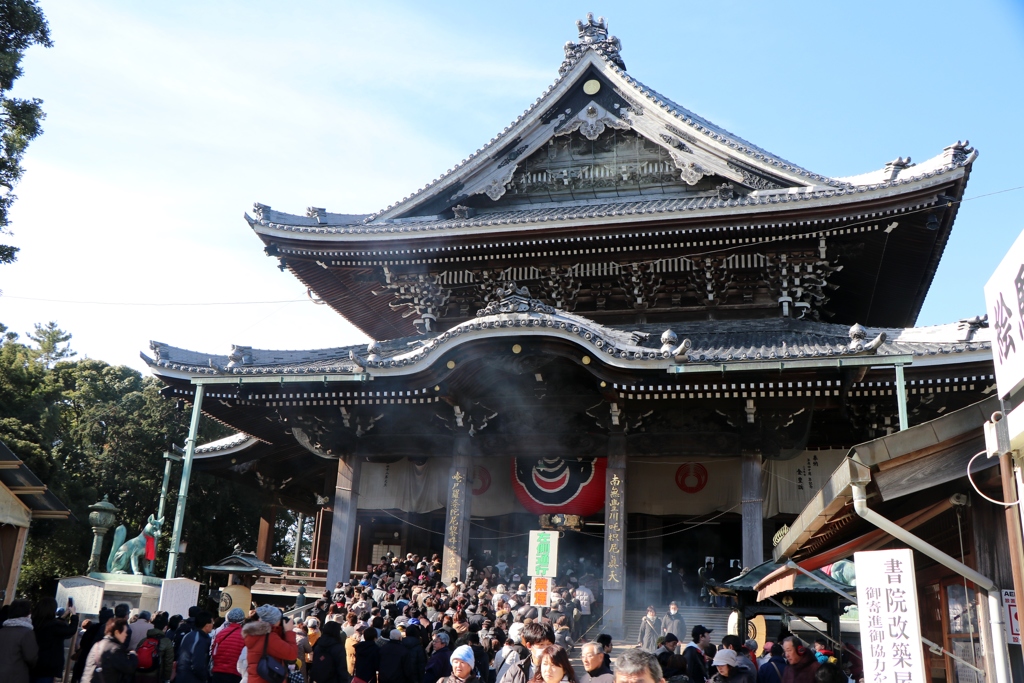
(593, 35)
(591, 31)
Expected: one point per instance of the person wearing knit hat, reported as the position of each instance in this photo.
(269, 614)
(269, 632)
(463, 664)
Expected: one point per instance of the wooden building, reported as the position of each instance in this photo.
(615, 309)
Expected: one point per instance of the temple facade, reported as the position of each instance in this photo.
(616, 319)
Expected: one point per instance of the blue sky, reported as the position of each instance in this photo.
(166, 121)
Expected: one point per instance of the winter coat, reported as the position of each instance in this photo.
(303, 646)
(18, 650)
(452, 679)
(563, 638)
(138, 633)
(226, 647)
(415, 659)
(518, 672)
(648, 640)
(50, 637)
(674, 624)
(164, 652)
(392, 662)
(93, 635)
(280, 645)
(367, 661)
(184, 628)
(772, 670)
(194, 658)
(438, 666)
(803, 671)
(117, 663)
(696, 669)
(330, 662)
(350, 652)
(602, 674)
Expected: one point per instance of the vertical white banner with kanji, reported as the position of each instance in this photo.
(542, 559)
(1004, 302)
(890, 623)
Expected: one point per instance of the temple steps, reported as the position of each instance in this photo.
(714, 618)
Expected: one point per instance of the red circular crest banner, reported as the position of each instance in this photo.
(572, 486)
(691, 477)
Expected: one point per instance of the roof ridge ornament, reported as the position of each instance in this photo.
(512, 299)
(858, 335)
(593, 35)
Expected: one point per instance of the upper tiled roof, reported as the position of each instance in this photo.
(603, 54)
(279, 221)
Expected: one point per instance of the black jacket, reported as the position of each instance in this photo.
(184, 628)
(415, 660)
(50, 637)
(367, 660)
(194, 658)
(695, 668)
(113, 657)
(330, 664)
(392, 662)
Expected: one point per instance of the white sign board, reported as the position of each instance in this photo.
(1004, 303)
(86, 592)
(1011, 617)
(890, 623)
(177, 595)
(543, 557)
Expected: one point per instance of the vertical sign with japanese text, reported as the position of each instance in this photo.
(1004, 303)
(543, 557)
(890, 624)
(614, 519)
(540, 591)
(454, 531)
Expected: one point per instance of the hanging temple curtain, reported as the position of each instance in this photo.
(654, 486)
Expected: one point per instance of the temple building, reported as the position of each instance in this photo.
(615, 318)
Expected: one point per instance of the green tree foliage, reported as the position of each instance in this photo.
(89, 429)
(22, 25)
(52, 342)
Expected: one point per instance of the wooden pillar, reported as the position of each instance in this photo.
(456, 531)
(320, 552)
(19, 554)
(265, 539)
(753, 533)
(343, 520)
(615, 538)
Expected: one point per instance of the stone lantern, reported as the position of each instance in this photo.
(102, 516)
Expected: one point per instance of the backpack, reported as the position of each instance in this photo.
(148, 653)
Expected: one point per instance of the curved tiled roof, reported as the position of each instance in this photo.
(654, 208)
(711, 341)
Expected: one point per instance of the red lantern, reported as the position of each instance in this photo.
(573, 486)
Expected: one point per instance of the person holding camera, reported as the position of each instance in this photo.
(272, 635)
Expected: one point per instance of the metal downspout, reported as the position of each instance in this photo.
(997, 637)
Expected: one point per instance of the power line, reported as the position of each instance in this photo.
(146, 303)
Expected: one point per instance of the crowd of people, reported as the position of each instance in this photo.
(399, 623)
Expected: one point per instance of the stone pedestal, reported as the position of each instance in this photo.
(107, 590)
